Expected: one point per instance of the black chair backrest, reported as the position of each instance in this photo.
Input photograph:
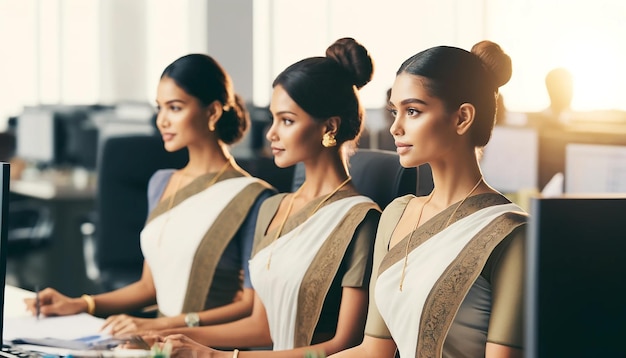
(379, 175)
(126, 165)
(265, 168)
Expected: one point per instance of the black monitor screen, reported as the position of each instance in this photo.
(4, 210)
(576, 267)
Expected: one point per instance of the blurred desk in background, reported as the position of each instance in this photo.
(59, 262)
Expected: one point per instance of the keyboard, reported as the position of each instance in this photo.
(15, 352)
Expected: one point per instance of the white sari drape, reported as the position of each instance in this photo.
(169, 241)
(402, 310)
(291, 256)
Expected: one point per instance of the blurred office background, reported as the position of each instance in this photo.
(75, 73)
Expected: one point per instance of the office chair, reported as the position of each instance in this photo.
(378, 174)
(265, 168)
(125, 167)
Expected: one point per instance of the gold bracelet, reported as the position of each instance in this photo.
(91, 304)
(236, 353)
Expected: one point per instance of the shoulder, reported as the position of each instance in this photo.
(161, 175)
(397, 206)
(270, 205)
(159, 180)
(262, 185)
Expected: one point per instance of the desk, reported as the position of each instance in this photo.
(61, 264)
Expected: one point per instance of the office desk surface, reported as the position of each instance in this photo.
(55, 184)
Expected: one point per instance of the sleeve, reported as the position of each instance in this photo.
(375, 325)
(156, 185)
(506, 325)
(359, 259)
(246, 235)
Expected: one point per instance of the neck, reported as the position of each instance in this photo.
(206, 160)
(454, 181)
(323, 178)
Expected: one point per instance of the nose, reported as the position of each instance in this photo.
(396, 127)
(161, 120)
(271, 134)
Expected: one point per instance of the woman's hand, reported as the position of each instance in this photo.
(125, 324)
(183, 346)
(53, 303)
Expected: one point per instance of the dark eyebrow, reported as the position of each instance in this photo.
(413, 100)
(171, 101)
(286, 112)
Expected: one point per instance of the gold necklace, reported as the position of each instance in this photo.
(293, 198)
(419, 217)
(173, 196)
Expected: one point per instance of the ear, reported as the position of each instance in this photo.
(214, 112)
(332, 125)
(465, 117)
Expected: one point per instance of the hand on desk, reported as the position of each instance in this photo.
(53, 303)
(183, 346)
(125, 324)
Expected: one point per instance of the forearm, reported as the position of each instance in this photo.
(132, 297)
(228, 313)
(370, 348)
(224, 314)
(494, 350)
(247, 332)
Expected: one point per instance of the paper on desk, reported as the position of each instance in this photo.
(14, 305)
(114, 353)
(64, 327)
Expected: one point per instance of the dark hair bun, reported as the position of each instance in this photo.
(495, 61)
(234, 122)
(354, 57)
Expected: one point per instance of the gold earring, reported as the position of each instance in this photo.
(328, 140)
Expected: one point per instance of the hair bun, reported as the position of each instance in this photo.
(354, 57)
(495, 61)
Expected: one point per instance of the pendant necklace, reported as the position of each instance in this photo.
(419, 217)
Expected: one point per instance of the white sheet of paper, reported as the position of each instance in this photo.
(65, 327)
(14, 305)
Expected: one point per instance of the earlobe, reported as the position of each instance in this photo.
(466, 115)
(332, 125)
(214, 113)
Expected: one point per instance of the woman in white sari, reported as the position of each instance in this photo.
(198, 237)
(449, 267)
(312, 257)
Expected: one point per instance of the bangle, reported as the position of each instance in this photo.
(236, 353)
(91, 304)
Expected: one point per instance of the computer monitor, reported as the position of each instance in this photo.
(59, 136)
(595, 168)
(4, 209)
(510, 159)
(36, 137)
(576, 273)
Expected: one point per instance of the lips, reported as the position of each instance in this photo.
(167, 136)
(276, 150)
(402, 148)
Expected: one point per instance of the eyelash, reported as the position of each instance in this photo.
(415, 110)
(410, 111)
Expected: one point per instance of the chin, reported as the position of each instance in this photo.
(171, 147)
(283, 162)
(408, 163)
